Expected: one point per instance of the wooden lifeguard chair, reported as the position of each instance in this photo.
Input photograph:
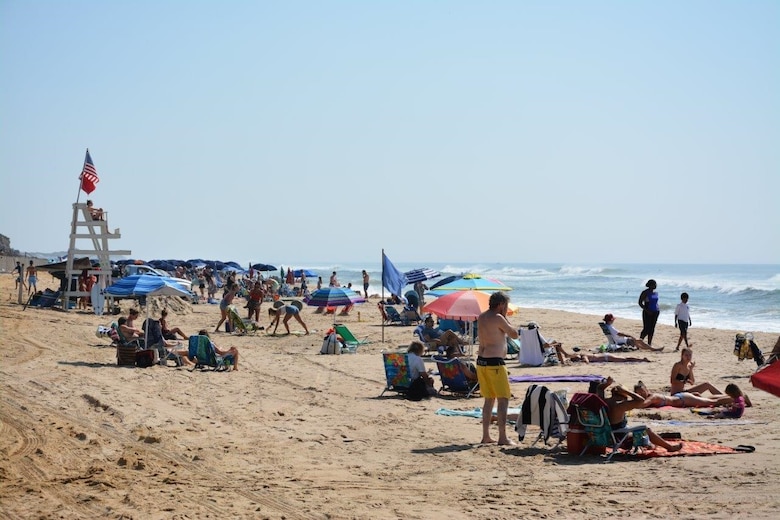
(89, 237)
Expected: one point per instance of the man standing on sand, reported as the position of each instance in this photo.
(19, 277)
(365, 283)
(493, 328)
(32, 278)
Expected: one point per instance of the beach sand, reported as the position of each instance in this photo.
(297, 435)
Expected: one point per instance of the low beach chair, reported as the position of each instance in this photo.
(512, 347)
(241, 325)
(394, 316)
(453, 378)
(612, 344)
(350, 341)
(385, 317)
(125, 350)
(396, 372)
(592, 417)
(531, 351)
(202, 352)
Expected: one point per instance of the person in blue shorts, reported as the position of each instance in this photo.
(32, 278)
(289, 311)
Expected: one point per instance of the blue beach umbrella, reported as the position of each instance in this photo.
(334, 297)
(446, 280)
(473, 282)
(420, 275)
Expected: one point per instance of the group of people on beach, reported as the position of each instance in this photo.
(129, 332)
(651, 310)
(490, 371)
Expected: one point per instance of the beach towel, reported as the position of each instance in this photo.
(545, 409)
(476, 412)
(699, 424)
(689, 448)
(531, 378)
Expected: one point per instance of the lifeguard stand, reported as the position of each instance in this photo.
(84, 229)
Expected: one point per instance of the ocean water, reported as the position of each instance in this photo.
(741, 297)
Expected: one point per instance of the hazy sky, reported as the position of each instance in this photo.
(442, 131)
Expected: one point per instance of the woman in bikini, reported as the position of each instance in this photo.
(566, 359)
(682, 374)
(678, 400)
(168, 333)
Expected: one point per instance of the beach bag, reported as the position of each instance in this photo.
(144, 358)
(418, 390)
(331, 344)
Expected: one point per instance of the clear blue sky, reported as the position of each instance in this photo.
(442, 131)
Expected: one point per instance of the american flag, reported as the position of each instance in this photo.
(89, 177)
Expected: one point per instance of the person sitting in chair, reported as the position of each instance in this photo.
(438, 337)
(95, 213)
(626, 339)
(620, 403)
(128, 332)
(232, 351)
(469, 370)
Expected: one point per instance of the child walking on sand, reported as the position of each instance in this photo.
(682, 319)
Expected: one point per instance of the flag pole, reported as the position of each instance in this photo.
(81, 177)
(383, 293)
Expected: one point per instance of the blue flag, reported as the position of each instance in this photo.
(392, 279)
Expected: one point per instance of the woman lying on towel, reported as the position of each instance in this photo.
(679, 399)
(566, 359)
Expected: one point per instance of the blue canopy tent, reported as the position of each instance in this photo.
(144, 285)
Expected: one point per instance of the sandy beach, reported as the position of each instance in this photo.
(295, 435)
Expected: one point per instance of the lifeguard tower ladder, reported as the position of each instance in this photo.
(84, 228)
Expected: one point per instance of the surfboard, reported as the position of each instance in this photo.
(98, 300)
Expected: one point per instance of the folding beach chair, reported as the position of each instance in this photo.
(154, 340)
(396, 372)
(394, 316)
(591, 415)
(429, 345)
(512, 347)
(125, 350)
(612, 342)
(202, 352)
(531, 350)
(240, 325)
(350, 341)
(453, 377)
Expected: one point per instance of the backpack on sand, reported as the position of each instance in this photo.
(331, 344)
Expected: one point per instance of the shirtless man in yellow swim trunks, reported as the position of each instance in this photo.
(493, 328)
